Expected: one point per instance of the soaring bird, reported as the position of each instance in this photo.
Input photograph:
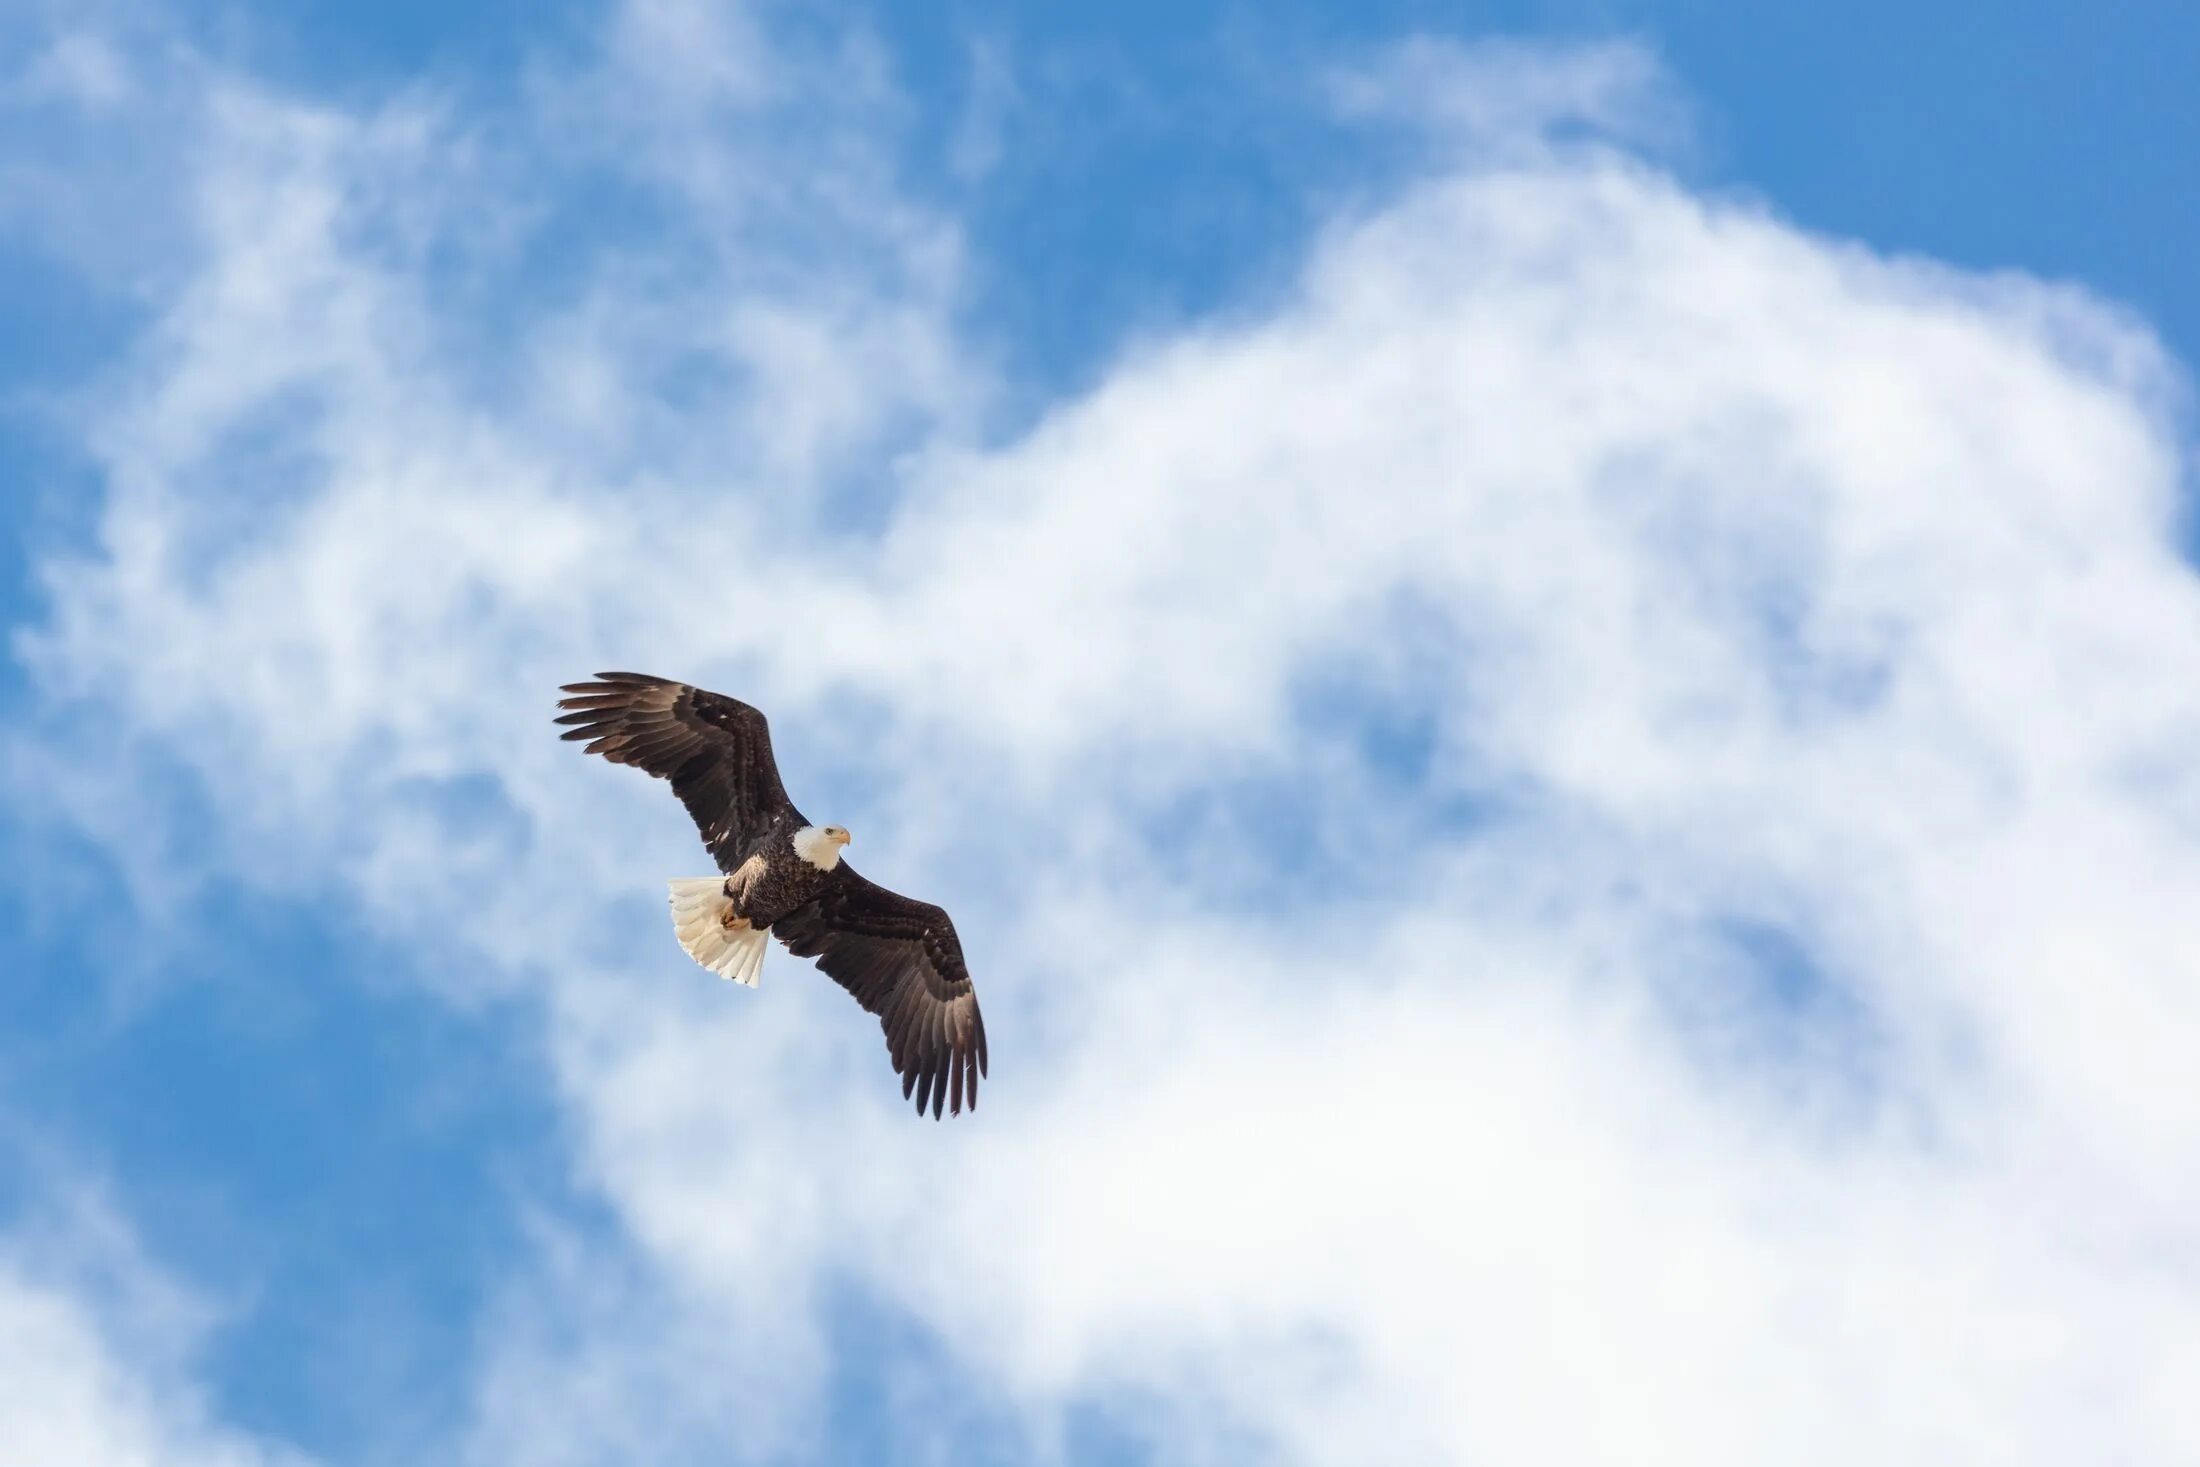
(783, 877)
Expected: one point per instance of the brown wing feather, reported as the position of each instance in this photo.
(716, 750)
(902, 961)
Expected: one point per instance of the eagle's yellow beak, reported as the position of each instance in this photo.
(843, 837)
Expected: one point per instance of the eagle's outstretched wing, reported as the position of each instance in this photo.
(715, 750)
(902, 961)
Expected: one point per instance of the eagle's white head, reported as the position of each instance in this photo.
(820, 845)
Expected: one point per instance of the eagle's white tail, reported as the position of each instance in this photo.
(700, 914)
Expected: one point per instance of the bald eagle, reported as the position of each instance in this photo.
(783, 877)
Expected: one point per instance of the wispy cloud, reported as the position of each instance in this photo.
(1733, 581)
(1513, 95)
(97, 1341)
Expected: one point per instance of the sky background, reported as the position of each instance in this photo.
(1549, 653)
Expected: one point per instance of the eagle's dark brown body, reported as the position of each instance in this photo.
(773, 879)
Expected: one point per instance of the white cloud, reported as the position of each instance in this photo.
(78, 69)
(1515, 97)
(1737, 575)
(993, 97)
(95, 1347)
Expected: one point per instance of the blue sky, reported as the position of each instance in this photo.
(1137, 480)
